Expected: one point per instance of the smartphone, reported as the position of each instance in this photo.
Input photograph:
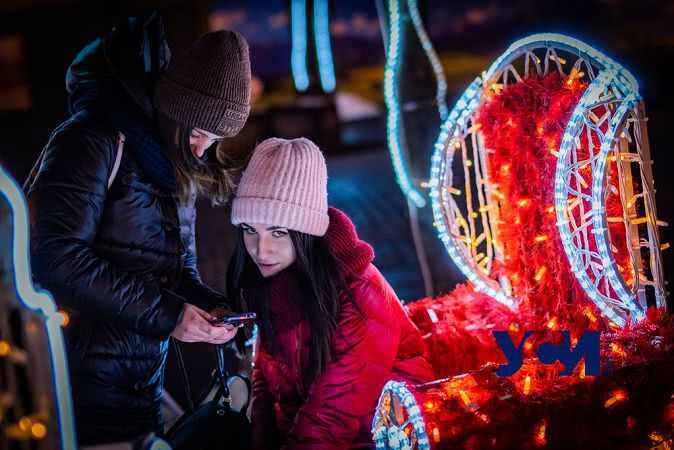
(235, 319)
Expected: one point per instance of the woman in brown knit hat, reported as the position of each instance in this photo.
(112, 214)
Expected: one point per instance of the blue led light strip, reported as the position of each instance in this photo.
(326, 67)
(298, 58)
(41, 302)
(382, 435)
(392, 103)
(441, 93)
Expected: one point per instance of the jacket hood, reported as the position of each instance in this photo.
(123, 64)
(352, 255)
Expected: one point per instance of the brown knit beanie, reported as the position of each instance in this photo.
(209, 86)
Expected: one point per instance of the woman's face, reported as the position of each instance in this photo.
(269, 246)
(202, 140)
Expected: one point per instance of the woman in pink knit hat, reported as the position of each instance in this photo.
(331, 330)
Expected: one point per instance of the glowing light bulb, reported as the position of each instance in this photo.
(38, 430)
(5, 348)
(616, 397)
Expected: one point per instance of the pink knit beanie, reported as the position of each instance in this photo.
(285, 184)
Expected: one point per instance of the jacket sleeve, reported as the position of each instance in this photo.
(364, 350)
(191, 287)
(263, 417)
(65, 203)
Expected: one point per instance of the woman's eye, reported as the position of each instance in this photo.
(249, 231)
(279, 234)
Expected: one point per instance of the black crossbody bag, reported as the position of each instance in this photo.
(214, 424)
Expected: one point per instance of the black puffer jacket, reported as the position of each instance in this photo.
(121, 260)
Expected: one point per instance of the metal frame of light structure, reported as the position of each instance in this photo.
(393, 105)
(41, 302)
(326, 68)
(384, 435)
(298, 29)
(441, 95)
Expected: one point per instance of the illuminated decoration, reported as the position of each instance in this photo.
(321, 30)
(393, 123)
(298, 58)
(542, 193)
(398, 413)
(41, 303)
(467, 222)
(326, 68)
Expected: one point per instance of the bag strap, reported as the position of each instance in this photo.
(183, 374)
(221, 372)
(38, 164)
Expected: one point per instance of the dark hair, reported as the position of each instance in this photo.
(320, 301)
(211, 176)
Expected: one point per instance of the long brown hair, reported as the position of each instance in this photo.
(320, 298)
(212, 176)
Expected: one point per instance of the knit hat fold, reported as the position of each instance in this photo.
(209, 86)
(285, 184)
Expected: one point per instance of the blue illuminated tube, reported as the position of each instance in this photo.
(393, 105)
(326, 67)
(41, 302)
(298, 59)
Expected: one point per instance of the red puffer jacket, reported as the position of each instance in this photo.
(374, 342)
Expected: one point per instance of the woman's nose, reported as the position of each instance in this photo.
(200, 146)
(265, 247)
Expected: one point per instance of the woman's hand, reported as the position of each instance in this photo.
(195, 326)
